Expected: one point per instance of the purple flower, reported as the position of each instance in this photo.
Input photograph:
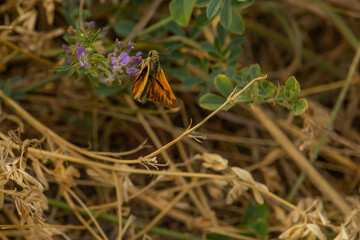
(82, 56)
(68, 62)
(129, 47)
(104, 31)
(67, 49)
(90, 24)
(133, 63)
(122, 60)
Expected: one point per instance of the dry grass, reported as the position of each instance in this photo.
(171, 175)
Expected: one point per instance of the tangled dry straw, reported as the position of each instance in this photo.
(27, 165)
(184, 182)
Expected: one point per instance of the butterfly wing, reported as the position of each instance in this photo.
(160, 91)
(141, 83)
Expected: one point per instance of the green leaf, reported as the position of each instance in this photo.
(226, 14)
(204, 90)
(237, 23)
(124, 26)
(213, 75)
(230, 71)
(180, 73)
(181, 11)
(259, 227)
(91, 78)
(292, 84)
(242, 4)
(234, 54)
(216, 236)
(254, 212)
(175, 28)
(7, 91)
(191, 81)
(139, 3)
(195, 33)
(70, 73)
(60, 69)
(68, 18)
(221, 34)
(255, 70)
(223, 85)
(217, 45)
(299, 107)
(213, 8)
(103, 90)
(243, 76)
(292, 89)
(269, 88)
(236, 43)
(201, 20)
(211, 101)
(18, 95)
(202, 3)
(213, 55)
(173, 45)
(208, 47)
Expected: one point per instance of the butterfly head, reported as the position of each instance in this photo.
(153, 54)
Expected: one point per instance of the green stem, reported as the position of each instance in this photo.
(342, 27)
(155, 26)
(41, 83)
(329, 124)
(115, 220)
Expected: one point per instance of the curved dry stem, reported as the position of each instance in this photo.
(27, 53)
(230, 99)
(56, 138)
(318, 180)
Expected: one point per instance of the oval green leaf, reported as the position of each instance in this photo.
(237, 23)
(242, 4)
(226, 14)
(181, 11)
(124, 26)
(299, 107)
(211, 101)
(213, 8)
(223, 85)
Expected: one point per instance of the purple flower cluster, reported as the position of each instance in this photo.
(81, 55)
(90, 24)
(121, 58)
(68, 53)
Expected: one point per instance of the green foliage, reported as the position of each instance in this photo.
(216, 236)
(202, 20)
(188, 80)
(230, 19)
(124, 26)
(223, 85)
(181, 11)
(221, 70)
(226, 14)
(213, 7)
(7, 88)
(260, 92)
(254, 219)
(211, 101)
(288, 97)
(241, 4)
(103, 90)
(237, 24)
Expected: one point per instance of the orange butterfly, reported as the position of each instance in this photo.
(151, 83)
